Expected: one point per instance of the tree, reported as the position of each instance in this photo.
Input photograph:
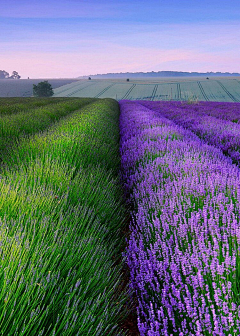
(43, 89)
(15, 75)
(4, 74)
(89, 78)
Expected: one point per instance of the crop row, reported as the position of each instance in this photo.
(183, 252)
(62, 212)
(223, 90)
(222, 133)
(24, 123)
(14, 105)
(222, 110)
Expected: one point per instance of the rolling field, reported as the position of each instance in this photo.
(215, 89)
(120, 218)
(225, 89)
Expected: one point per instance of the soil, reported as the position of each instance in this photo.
(129, 325)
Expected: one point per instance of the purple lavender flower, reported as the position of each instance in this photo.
(183, 248)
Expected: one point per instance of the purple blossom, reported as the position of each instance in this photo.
(181, 252)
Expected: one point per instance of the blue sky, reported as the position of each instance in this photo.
(70, 38)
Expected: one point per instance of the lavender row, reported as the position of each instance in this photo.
(222, 110)
(183, 252)
(223, 134)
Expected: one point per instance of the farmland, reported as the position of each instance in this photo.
(176, 89)
(62, 214)
(24, 87)
(183, 252)
(111, 208)
(225, 89)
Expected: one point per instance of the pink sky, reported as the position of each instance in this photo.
(70, 39)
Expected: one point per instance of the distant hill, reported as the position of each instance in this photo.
(160, 74)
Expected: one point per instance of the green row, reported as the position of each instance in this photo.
(62, 211)
(15, 126)
(14, 105)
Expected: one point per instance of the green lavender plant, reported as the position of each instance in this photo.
(60, 221)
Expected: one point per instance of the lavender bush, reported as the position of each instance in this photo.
(222, 133)
(183, 252)
(223, 110)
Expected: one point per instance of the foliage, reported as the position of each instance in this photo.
(43, 89)
(62, 188)
(5, 75)
(15, 75)
(32, 115)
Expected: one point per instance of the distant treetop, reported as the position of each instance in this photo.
(161, 74)
(5, 75)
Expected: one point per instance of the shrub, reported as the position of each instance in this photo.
(43, 89)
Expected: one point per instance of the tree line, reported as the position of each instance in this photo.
(5, 75)
(43, 89)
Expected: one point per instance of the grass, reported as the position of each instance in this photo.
(10, 106)
(30, 121)
(167, 89)
(61, 213)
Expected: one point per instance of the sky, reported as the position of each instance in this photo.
(71, 38)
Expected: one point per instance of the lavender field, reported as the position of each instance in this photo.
(179, 168)
(130, 215)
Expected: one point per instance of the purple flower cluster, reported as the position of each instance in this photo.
(183, 252)
(223, 134)
(223, 110)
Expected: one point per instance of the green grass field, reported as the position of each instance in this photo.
(162, 88)
(215, 89)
